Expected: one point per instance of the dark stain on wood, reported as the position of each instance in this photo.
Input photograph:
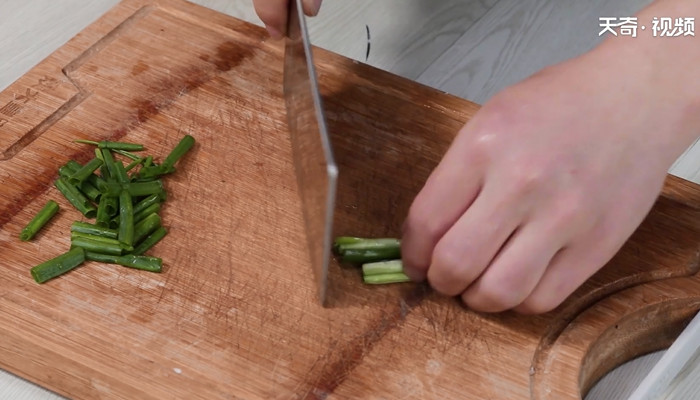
(230, 54)
(353, 351)
(139, 68)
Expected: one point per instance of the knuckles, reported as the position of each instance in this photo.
(537, 304)
(449, 273)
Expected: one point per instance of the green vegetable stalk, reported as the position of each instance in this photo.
(59, 265)
(39, 220)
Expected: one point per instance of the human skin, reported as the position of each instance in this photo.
(548, 180)
(273, 13)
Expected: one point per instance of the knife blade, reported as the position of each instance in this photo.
(668, 369)
(314, 165)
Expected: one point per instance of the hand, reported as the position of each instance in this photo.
(546, 183)
(273, 13)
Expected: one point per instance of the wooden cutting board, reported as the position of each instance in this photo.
(234, 315)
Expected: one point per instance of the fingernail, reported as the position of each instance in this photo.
(274, 32)
(315, 7)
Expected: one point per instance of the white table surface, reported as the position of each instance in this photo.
(30, 30)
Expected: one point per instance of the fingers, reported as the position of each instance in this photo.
(311, 7)
(540, 242)
(449, 191)
(274, 14)
(515, 272)
(570, 269)
(468, 248)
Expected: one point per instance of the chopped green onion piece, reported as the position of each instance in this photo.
(343, 240)
(126, 219)
(83, 173)
(39, 220)
(367, 256)
(140, 189)
(133, 164)
(152, 209)
(180, 150)
(155, 171)
(121, 176)
(147, 202)
(84, 227)
(113, 145)
(150, 241)
(94, 238)
(87, 187)
(116, 168)
(367, 244)
(103, 216)
(145, 263)
(97, 246)
(76, 198)
(382, 267)
(58, 265)
(127, 154)
(146, 226)
(382, 279)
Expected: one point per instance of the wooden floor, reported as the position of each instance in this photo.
(469, 48)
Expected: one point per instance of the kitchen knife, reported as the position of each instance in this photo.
(314, 165)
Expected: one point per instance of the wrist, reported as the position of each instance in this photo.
(658, 74)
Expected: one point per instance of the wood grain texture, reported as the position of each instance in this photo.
(515, 39)
(518, 38)
(234, 314)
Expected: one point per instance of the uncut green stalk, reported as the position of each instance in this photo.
(76, 198)
(147, 202)
(112, 145)
(180, 150)
(144, 263)
(84, 227)
(146, 226)
(382, 267)
(150, 241)
(383, 279)
(40, 219)
(126, 219)
(96, 246)
(83, 173)
(152, 209)
(368, 256)
(58, 265)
